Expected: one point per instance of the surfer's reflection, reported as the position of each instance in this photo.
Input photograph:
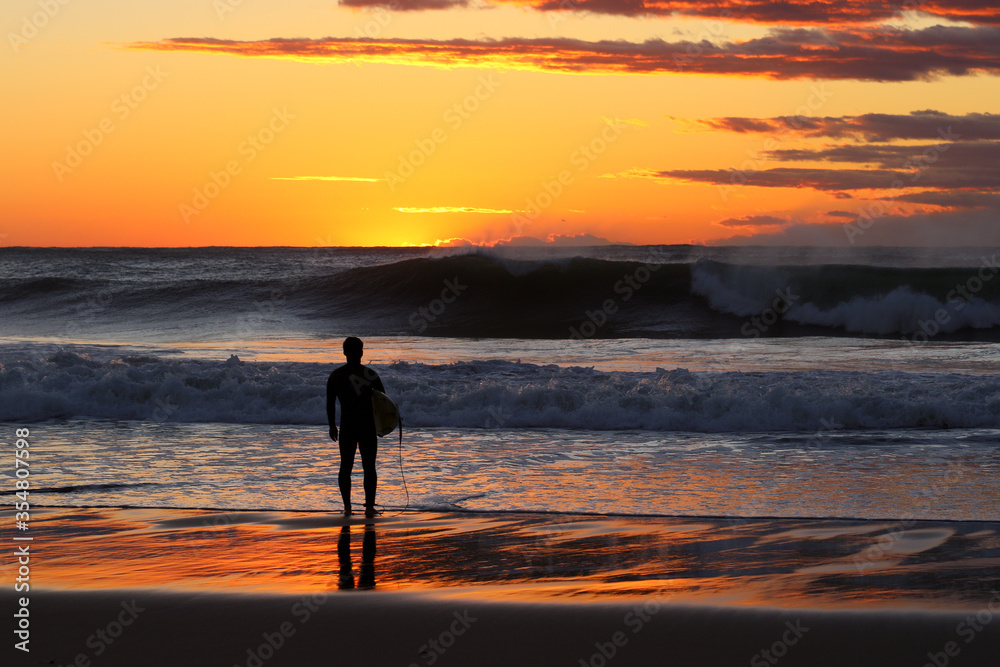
(367, 576)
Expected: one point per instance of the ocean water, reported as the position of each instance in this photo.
(669, 380)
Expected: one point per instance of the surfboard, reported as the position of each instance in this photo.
(386, 413)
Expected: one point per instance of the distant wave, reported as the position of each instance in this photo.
(498, 394)
(483, 295)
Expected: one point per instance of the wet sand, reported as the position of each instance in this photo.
(196, 587)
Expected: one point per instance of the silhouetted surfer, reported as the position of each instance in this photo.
(352, 385)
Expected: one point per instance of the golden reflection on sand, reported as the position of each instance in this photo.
(744, 562)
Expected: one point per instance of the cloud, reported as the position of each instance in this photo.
(451, 209)
(783, 177)
(787, 12)
(755, 221)
(352, 179)
(965, 155)
(633, 173)
(837, 179)
(970, 155)
(405, 5)
(454, 242)
(894, 55)
(562, 240)
(953, 199)
(927, 124)
(960, 165)
(944, 229)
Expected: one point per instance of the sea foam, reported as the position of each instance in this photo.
(497, 394)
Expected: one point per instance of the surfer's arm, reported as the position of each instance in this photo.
(331, 406)
(377, 384)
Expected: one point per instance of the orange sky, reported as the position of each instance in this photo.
(184, 124)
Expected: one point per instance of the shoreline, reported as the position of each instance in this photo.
(391, 512)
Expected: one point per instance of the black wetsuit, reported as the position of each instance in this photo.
(352, 385)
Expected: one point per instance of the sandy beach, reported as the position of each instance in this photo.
(164, 587)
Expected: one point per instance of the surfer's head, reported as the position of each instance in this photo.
(354, 349)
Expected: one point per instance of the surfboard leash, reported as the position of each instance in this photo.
(401, 473)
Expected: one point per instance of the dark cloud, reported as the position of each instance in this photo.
(837, 179)
(841, 214)
(977, 155)
(755, 221)
(900, 55)
(900, 168)
(927, 124)
(953, 199)
(937, 230)
(786, 12)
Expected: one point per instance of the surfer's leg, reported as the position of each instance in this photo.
(369, 448)
(348, 447)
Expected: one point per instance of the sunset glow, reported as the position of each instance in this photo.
(407, 123)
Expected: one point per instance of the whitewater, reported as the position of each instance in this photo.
(105, 383)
